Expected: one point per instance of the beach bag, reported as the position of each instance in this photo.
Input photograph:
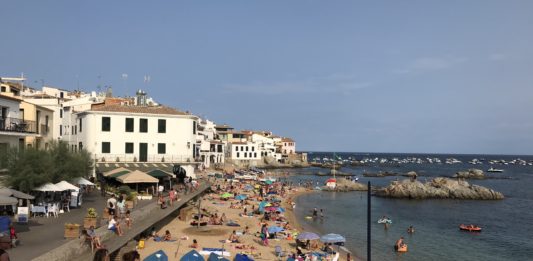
(141, 244)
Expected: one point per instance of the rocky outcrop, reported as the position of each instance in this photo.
(470, 174)
(344, 185)
(438, 188)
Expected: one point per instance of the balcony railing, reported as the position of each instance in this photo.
(151, 158)
(17, 125)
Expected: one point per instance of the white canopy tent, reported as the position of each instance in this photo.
(15, 193)
(63, 185)
(49, 187)
(4, 201)
(82, 181)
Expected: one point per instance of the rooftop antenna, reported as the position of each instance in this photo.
(124, 77)
(147, 80)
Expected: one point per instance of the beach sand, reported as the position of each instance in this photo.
(213, 236)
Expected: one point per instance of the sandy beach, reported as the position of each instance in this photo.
(216, 236)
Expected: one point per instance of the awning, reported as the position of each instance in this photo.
(14, 193)
(115, 170)
(67, 186)
(137, 177)
(118, 174)
(48, 187)
(157, 173)
(4, 201)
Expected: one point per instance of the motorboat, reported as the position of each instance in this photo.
(471, 228)
(494, 170)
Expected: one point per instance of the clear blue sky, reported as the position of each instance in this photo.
(375, 76)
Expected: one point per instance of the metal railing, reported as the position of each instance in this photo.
(17, 125)
(150, 158)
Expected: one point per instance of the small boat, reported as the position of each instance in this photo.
(384, 221)
(470, 228)
(494, 170)
(402, 248)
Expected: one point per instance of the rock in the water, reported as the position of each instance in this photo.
(438, 188)
(344, 185)
(470, 174)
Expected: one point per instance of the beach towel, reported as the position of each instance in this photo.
(216, 251)
(154, 256)
(233, 224)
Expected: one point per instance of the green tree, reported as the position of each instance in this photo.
(30, 168)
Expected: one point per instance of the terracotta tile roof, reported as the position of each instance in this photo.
(287, 140)
(137, 109)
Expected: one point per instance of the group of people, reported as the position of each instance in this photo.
(103, 255)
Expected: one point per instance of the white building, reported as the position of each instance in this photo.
(12, 134)
(244, 151)
(138, 135)
(265, 144)
(209, 149)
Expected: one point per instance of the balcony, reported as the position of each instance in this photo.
(17, 125)
(150, 158)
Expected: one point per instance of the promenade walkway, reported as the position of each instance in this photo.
(144, 217)
(43, 234)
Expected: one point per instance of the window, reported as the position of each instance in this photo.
(246, 154)
(3, 89)
(106, 124)
(106, 147)
(161, 148)
(129, 125)
(61, 113)
(242, 148)
(72, 131)
(80, 145)
(238, 155)
(60, 130)
(193, 127)
(255, 154)
(161, 126)
(143, 125)
(61, 95)
(246, 148)
(236, 148)
(46, 121)
(129, 147)
(253, 148)
(80, 124)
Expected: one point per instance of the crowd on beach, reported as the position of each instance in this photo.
(251, 217)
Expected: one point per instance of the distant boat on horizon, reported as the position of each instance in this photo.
(494, 170)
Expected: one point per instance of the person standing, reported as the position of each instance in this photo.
(160, 189)
(172, 196)
(111, 205)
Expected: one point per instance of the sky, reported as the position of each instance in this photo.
(342, 76)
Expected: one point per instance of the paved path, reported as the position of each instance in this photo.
(150, 215)
(43, 234)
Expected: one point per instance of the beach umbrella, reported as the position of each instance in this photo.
(270, 209)
(242, 257)
(307, 236)
(280, 209)
(157, 256)
(192, 255)
(241, 197)
(268, 181)
(226, 195)
(215, 257)
(332, 238)
(274, 229)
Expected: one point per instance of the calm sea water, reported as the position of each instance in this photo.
(507, 224)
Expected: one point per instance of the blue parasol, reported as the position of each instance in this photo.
(274, 229)
(307, 236)
(332, 238)
(241, 197)
(157, 256)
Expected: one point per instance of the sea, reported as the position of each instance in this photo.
(507, 224)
